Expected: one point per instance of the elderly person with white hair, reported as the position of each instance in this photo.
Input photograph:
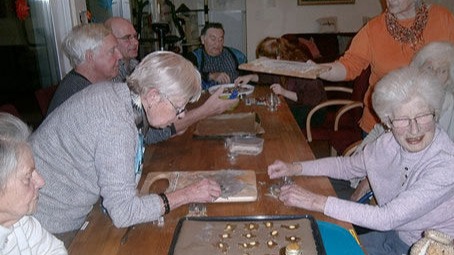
(20, 233)
(436, 58)
(92, 146)
(93, 52)
(409, 169)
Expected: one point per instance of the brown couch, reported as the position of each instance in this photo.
(330, 45)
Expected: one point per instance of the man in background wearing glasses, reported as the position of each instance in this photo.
(128, 44)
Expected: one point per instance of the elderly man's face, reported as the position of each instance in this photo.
(127, 38)
(106, 58)
(213, 41)
(20, 194)
(420, 131)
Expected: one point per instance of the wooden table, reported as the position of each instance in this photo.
(283, 140)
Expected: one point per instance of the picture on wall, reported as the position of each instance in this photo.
(315, 2)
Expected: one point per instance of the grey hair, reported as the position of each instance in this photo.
(13, 137)
(169, 73)
(215, 25)
(82, 39)
(440, 53)
(402, 85)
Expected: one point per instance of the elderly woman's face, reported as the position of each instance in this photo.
(162, 110)
(439, 68)
(20, 194)
(402, 9)
(421, 125)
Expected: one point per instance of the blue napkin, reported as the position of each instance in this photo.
(337, 240)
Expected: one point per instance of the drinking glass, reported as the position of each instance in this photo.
(272, 102)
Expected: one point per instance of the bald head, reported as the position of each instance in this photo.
(127, 37)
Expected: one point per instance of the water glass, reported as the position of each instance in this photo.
(272, 101)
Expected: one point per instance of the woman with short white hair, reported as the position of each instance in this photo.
(436, 58)
(92, 147)
(409, 169)
(20, 233)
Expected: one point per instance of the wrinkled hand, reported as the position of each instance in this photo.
(245, 79)
(204, 191)
(277, 89)
(294, 195)
(280, 169)
(221, 78)
(215, 105)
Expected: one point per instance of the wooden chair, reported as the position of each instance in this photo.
(341, 127)
(9, 108)
(43, 96)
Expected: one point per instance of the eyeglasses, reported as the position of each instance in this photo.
(178, 111)
(420, 120)
(129, 37)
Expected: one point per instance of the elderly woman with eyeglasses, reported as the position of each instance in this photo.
(409, 169)
(20, 233)
(436, 58)
(92, 146)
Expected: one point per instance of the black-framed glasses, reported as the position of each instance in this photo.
(420, 120)
(178, 111)
(129, 37)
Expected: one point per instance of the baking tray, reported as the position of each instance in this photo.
(285, 67)
(228, 125)
(202, 235)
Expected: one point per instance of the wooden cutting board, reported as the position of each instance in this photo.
(236, 185)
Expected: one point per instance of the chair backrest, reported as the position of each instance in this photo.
(9, 108)
(360, 85)
(43, 96)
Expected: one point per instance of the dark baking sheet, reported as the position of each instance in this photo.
(228, 125)
(207, 245)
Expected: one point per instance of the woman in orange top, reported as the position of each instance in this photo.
(388, 42)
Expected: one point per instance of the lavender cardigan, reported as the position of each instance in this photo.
(414, 191)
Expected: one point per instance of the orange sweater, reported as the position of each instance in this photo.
(374, 46)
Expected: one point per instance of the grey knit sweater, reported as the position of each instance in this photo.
(85, 149)
(72, 83)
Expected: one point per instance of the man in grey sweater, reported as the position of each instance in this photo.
(94, 55)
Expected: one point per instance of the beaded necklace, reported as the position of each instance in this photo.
(411, 35)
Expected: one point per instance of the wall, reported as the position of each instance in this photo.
(277, 17)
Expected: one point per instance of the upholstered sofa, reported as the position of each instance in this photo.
(324, 48)
(321, 48)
